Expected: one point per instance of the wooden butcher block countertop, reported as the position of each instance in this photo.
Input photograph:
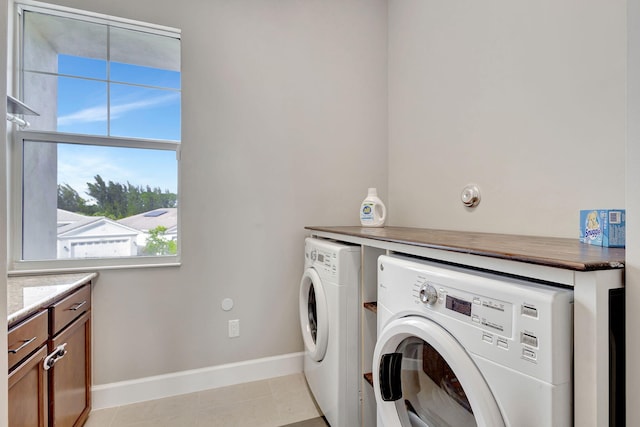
(556, 252)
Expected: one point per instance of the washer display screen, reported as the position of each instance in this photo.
(458, 305)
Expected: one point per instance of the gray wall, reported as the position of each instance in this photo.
(284, 125)
(526, 99)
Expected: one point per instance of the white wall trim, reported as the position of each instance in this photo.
(159, 386)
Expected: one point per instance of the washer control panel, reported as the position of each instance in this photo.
(336, 262)
(323, 260)
(487, 313)
(509, 321)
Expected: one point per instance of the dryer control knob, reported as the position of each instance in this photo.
(428, 294)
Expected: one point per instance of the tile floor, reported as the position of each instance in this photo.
(269, 403)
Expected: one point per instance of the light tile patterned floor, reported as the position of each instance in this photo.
(269, 403)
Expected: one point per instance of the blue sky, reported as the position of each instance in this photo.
(78, 164)
(84, 104)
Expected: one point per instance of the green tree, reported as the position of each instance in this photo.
(98, 190)
(69, 199)
(115, 200)
(134, 200)
(158, 244)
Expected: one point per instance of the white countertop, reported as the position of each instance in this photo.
(29, 294)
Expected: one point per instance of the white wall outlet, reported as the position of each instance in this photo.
(234, 328)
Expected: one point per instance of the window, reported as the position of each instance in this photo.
(98, 167)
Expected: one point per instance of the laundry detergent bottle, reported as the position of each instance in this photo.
(372, 211)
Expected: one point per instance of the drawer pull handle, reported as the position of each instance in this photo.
(77, 306)
(53, 358)
(24, 344)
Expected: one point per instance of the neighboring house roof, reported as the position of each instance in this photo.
(67, 217)
(166, 217)
(73, 224)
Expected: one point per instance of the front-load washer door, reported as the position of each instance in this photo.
(424, 377)
(314, 315)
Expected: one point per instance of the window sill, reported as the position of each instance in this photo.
(76, 265)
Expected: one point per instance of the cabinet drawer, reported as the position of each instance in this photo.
(26, 337)
(63, 312)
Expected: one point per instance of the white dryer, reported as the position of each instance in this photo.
(329, 321)
(459, 347)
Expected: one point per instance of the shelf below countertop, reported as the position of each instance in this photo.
(371, 306)
(368, 377)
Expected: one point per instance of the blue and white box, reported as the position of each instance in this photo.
(603, 227)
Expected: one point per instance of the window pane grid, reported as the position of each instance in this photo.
(128, 24)
(73, 138)
(142, 85)
(144, 63)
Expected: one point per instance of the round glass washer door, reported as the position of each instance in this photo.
(424, 378)
(314, 315)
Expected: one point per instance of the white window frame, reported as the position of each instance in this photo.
(18, 266)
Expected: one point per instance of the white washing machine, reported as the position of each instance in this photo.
(459, 347)
(329, 318)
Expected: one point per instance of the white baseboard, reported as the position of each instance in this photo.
(156, 387)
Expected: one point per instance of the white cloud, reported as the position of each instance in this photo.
(99, 113)
(78, 164)
(88, 115)
(79, 168)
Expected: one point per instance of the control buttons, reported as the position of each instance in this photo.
(475, 318)
(314, 255)
(441, 294)
(529, 339)
(477, 301)
(530, 311)
(428, 294)
(501, 342)
(528, 354)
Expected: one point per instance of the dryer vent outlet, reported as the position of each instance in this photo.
(234, 328)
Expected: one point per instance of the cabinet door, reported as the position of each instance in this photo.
(70, 376)
(28, 392)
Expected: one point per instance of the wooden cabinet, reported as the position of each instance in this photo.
(50, 364)
(70, 376)
(28, 392)
(27, 379)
